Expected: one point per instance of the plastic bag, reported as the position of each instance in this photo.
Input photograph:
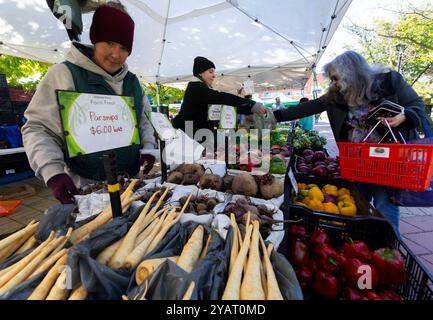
(266, 121)
(100, 281)
(169, 282)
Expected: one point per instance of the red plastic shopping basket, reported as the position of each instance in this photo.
(407, 166)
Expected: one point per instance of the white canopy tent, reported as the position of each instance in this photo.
(273, 42)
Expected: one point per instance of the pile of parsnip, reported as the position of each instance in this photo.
(251, 275)
(51, 255)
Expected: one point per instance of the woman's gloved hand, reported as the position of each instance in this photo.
(63, 188)
(147, 160)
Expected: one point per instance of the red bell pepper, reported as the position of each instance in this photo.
(371, 295)
(326, 258)
(319, 237)
(297, 232)
(352, 273)
(312, 265)
(325, 285)
(298, 254)
(358, 250)
(354, 294)
(305, 276)
(390, 265)
(389, 295)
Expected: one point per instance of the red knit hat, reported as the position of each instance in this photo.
(111, 24)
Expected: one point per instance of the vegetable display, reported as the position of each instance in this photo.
(350, 271)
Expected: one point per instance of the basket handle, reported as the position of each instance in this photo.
(389, 131)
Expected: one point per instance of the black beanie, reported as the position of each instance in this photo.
(201, 64)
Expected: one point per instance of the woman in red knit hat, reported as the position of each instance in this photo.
(99, 68)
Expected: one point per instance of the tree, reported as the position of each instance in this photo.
(167, 94)
(18, 70)
(414, 29)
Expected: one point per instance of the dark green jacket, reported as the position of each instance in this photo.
(127, 158)
(198, 96)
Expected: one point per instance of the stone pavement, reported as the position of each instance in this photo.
(416, 224)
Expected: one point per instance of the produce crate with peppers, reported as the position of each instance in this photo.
(360, 260)
(334, 196)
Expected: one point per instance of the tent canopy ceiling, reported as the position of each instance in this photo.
(272, 42)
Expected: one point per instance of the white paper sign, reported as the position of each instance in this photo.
(248, 86)
(96, 122)
(379, 152)
(293, 181)
(214, 112)
(228, 117)
(162, 126)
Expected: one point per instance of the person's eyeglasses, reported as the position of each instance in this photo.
(334, 78)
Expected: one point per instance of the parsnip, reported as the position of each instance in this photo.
(192, 249)
(273, 289)
(233, 285)
(42, 290)
(105, 255)
(79, 294)
(127, 244)
(59, 290)
(251, 288)
(204, 251)
(17, 267)
(25, 232)
(27, 245)
(31, 266)
(189, 291)
(146, 267)
(48, 262)
(133, 259)
(235, 242)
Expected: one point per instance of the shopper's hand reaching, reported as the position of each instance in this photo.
(63, 188)
(394, 121)
(258, 108)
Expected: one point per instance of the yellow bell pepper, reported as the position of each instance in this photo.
(315, 204)
(330, 189)
(316, 194)
(302, 186)
(330, 207)
(342, 191)
(312, 185)
(347, 198)
(347, 208)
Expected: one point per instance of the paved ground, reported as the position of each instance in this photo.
(416, 224)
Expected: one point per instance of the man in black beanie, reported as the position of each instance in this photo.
(199, 95)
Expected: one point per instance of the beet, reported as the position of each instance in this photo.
(307, 152)
(319, 156)
(320, 171)
(244, 184)
(175, 177)
(227, 181)
(211, 181)
(270, 187)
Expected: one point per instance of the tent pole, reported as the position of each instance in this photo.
(315, 85)
(157, 94)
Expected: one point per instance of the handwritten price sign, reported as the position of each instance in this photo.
(94, 123)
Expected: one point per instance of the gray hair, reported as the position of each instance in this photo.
(356, 77)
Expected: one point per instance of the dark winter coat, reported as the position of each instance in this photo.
(198, 96)
(388, 86)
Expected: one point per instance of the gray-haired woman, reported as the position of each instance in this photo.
(355, 88)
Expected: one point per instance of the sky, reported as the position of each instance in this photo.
(362, 12)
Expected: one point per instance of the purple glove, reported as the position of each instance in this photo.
(147, 160)
(63, 188)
